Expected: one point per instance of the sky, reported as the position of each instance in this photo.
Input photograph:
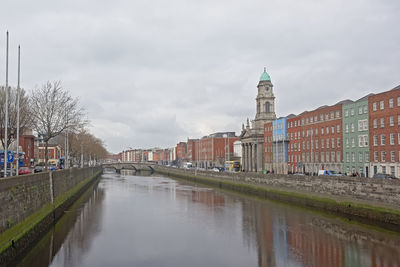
(153, 73)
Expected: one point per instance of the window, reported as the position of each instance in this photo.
(333, 156)
(365, 109)
(360, 157)
(316, 144)
(352, 112)
(322, 157)
(338, 142)
(360, 141)
(322, 143)
(366, 156)
(392, 156)
(322, 131)
(316, 131)
(375, 156)
(321, 117)
(382, 122)
(391, 103)
(267, 107)
(338, 156)
(316, 156)
(346, 113)
(398, 120)
(347, 142)
(338, 128)
(352, 142)
(392, 139)
(326, 116)
(347, 128)
(352, 127)
(327, 130)
(398, 138)
(360, 110)
(381, 104)
(333, 142)
(337, 114)
(353, 157)
(382, 139)
(374, 106)
(391, 121)
(360, 126)
(375, 123)
(332, 115)
(375, 140)
(398, 101)
(383, 156)
(365, 126)
(327, 156)
(333, 129)
(347, 157)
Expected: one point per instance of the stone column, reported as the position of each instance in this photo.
(250, 157)
(260, 153)
(243, 159)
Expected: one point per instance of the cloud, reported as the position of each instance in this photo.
(152, 73)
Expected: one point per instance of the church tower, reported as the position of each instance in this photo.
(265, 102)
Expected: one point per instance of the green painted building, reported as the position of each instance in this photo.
(355, 137)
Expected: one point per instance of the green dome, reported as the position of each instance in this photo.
(265, 76)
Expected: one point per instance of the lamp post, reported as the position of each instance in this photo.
(6, 115)
(18, 96)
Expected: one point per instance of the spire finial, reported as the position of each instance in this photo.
(265, 69)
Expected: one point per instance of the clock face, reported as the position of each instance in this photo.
(266, 88)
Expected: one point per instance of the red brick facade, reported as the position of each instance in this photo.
(268, 143)
(315, 140)
(384, 129)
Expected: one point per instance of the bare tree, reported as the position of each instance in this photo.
(25, 120)
(54, 111)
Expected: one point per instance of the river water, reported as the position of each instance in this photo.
(128, 220)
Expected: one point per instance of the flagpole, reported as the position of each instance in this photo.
(6, 116)
(18, 96)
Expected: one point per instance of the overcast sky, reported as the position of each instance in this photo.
(153, 73)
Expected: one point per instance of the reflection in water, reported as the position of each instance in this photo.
(72, 235)
(286, 236)
(156, 221)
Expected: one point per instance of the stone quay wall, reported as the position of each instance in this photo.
(366, 198)
(29, 204)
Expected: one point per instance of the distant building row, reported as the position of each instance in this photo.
(209, 151)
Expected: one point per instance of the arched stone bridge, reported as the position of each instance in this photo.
(135, 166)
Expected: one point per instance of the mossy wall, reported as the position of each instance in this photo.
(29, 204)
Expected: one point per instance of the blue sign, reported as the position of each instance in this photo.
(10, 157)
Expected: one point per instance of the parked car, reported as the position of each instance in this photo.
(38, 168)
(24, 170)
(215, 169)
(9, 173)
(382, 175)
(328, 172)
(52, 167)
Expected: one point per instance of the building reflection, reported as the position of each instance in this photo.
(288, 237)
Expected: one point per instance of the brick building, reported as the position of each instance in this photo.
(215, 149)
(317, 140)
(54, 152)
(191, 152)
(384, 129)
(181, 150)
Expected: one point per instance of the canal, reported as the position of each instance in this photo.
(128, 220)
